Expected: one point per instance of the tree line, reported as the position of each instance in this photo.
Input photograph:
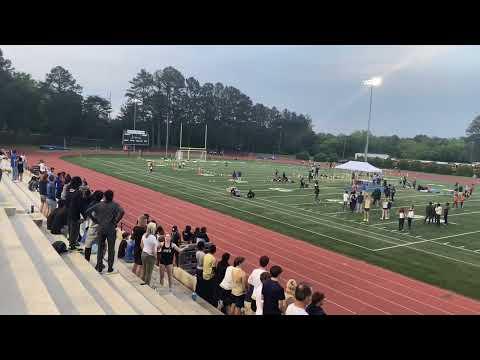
(57, 107)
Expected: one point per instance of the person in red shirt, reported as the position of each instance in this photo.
(455, 199)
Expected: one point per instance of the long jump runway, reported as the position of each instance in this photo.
(351, 286)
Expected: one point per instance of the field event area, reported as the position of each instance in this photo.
(444, 255)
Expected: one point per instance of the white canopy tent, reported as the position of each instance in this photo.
(359, 166)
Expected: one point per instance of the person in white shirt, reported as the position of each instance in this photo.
(254, 281)
(149, 246)
(345, 200)
(438, 213)
(42, 167)
(303, 295)
(258, 293)
(410, 216)
(226, 286)
(385, 210)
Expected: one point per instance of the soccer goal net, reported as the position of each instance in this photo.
(191, 154)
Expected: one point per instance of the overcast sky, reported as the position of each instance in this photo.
(433, 90)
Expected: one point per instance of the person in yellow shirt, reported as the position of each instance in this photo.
(209, 265)
(239, 286)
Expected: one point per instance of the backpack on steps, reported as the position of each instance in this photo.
(60, 247)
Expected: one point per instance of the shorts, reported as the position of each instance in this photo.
(52, 204)
(238, 301)
(226, 296)
(367, 209)
(43, 198)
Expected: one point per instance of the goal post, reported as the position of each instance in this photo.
(191, 153)
(188, 153)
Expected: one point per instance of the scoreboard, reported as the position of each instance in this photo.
(136, 137)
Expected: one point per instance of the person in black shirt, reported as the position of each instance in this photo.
(202, 235)
(273, 293)
(315, 307)
(57, 219)
(107, 214)
(445, 213)
(123, 245)
(250, 194)
(75, 207)
(317, 192)
(20, 168)
(175, 239)
(187, 234)
(428, 213)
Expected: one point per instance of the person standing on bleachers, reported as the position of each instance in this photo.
(75, 208)
(92, 231)
(107, 214)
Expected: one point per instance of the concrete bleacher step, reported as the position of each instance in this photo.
(33, 291)
(106, 295)
(150, 294)
(141, 299)
(69, 291)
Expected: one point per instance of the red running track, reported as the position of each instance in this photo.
(351, 286)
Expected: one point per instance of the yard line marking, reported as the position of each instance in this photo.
(435, 239)
(175, 181)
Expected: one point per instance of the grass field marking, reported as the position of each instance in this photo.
(336, 225)
(293, 213)
(248, 212)
(294, 226)
(435, 240)
(401, 245)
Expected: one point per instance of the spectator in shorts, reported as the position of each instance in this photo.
(273, 293)
(438, 213)
(258, 293)
(226, 286)
(290, 292)
(51, 201)
(384, 210)
(187, 234)
(149, 244)
(239, 286)
(254, 281)
(209, 266)
(137, 234)
(42, 189)
(303, 296)
(315, 307)
(345, 200)
(199, 255)
(165, 251)
(222, 266)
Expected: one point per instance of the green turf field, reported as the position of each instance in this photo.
(447, 256)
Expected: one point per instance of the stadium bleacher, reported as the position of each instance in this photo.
(37, 280)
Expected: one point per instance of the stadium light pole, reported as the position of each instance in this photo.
(371, 83)
(135, 101)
